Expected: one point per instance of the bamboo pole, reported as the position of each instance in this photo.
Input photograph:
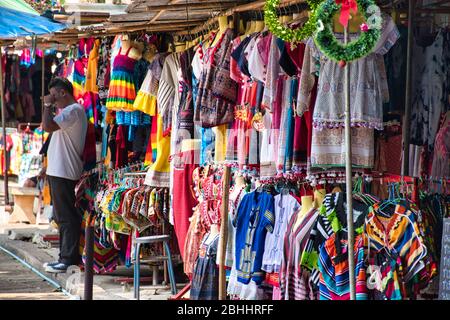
(5, 174)
(348, 177)
(224, 234)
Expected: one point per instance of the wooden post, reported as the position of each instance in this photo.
(224, 234)
(408, 93)
(5, 176)
(89, 265)
(348, 177)
(41, 193)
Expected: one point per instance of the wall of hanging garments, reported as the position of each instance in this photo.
(23, 147)
(23, 83)
(287, 239)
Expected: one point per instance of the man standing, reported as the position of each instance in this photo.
(64, 168)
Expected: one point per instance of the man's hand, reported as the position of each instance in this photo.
(49, 100)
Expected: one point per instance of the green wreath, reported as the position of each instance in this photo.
(335, 50)
(286, 34)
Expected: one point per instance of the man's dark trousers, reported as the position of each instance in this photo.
(67, 217)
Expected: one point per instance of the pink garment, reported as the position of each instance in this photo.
(276, 295)
(441, 157)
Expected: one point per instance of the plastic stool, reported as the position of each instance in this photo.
(137, 246)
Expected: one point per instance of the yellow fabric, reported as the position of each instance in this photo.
(146, 103)
(158, 173)
(46, 197)
(162, 163)
(109, 118)
(91, 73)
(221, 142)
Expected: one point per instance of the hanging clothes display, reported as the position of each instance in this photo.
(271, 113)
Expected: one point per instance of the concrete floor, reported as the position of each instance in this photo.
(106, 286)
(18, 282)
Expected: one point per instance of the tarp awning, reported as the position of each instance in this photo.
(15, 24)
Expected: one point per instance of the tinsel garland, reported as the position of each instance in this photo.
(287, 34)
(334, 49)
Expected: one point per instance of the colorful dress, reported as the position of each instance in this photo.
(396, 248)
(334, 269)
(122, 91)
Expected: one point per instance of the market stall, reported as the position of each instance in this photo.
(17, 19)
(291, 150)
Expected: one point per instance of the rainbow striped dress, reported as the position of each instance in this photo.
(122, 92)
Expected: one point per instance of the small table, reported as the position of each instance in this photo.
(23, 205)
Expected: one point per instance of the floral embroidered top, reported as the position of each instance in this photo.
(368, 88)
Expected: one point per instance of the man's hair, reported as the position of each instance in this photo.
(61, 83)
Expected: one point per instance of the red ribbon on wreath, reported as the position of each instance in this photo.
(347, 6)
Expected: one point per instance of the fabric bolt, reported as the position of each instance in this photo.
(285, 206)
(254, 219)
